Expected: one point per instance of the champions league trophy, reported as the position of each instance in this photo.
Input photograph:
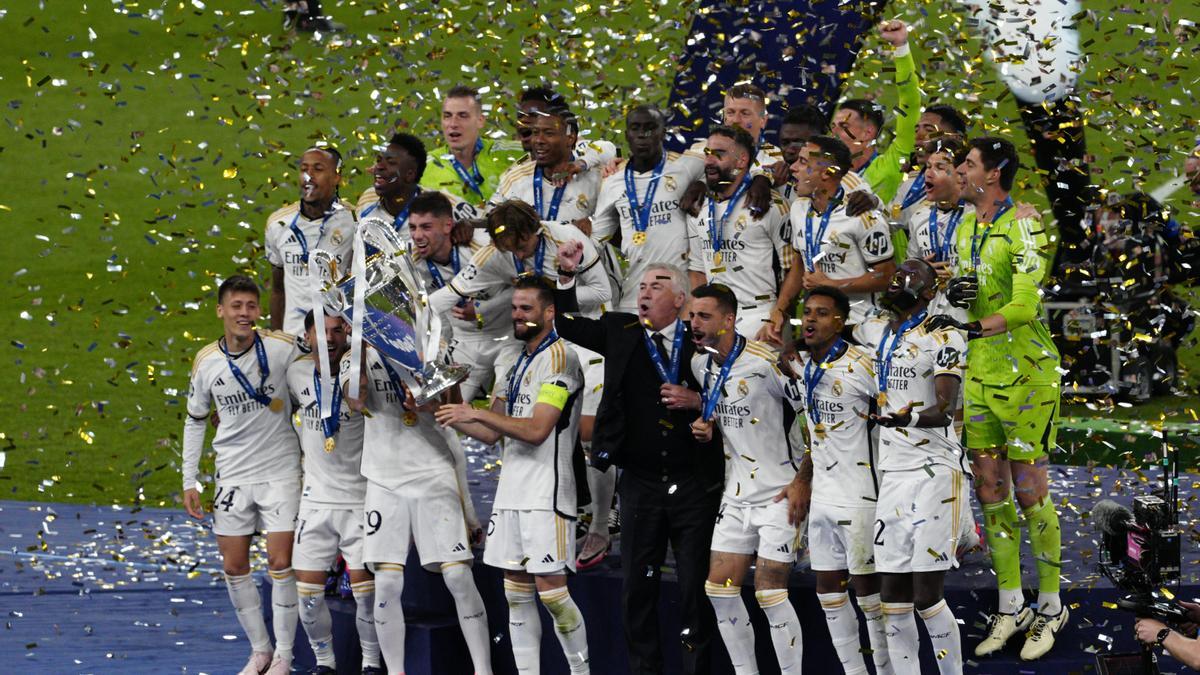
(385, 301)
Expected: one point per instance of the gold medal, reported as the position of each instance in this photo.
(717, 259)
(639, 238)
(896, 211)
(330, 444)
(410, 419)
(819, 430)
(276, 405)
(882, 399)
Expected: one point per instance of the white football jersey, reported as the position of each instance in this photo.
(369, 206)
(493, 314)
(285, 248)
(920, 356)
(578, 195)
(920, 245)
(754, 253)
(253, 443)
(841, 445)
(540, 477)
(910, 192)
(399, 447)
(755, 412)
(846, 249)
(333, 478)
(665, 239)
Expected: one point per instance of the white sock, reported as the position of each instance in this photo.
(785, 628)
(1049, 604)
(472, 617)
(318, 625)
(244, 596)
(285, 611)
(364, 620)
(904, 644)
(1011, 600)
(872, 610)
(842, 621)
(389, 614)
(734, 623)
(943, 633)
(569, 627)
(601, 484)
(524, 626)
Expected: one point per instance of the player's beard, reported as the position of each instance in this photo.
(721, 181)
(523, 330)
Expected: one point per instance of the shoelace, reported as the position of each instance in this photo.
(1039, 625)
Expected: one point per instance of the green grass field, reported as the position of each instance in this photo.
(146, 144)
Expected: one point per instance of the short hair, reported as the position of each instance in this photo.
(955, 147)
(954, 120)
(464, 91)
(432, 202)
(649, 108)
(998, 153)
(332, 152)
(841, 301)
(679, 277)
(512, 220)
(724, 296)
(310, 320)
(747, 90)
(836, 151)
(541, 93)
(808, 116)
(870, 111)
(739, 136)
(542, 288)
(415, 149)
(563, 112)
(238, 283)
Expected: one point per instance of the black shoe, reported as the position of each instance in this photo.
(372, 670)
(322, 670)
(319, 24)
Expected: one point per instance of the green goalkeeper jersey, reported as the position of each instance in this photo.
(493, 159)
(1011, 259)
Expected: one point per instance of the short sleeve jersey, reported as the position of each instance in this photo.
(1025, 354)
(920, 357)
(665, 238)
(492, 313)
(253, 444)
(539, 477)
(754, 253)
(755, 412)
(369, 206)
(917, 222)
(840, 442)
(331, 478)
(578, 200)
(288, 235)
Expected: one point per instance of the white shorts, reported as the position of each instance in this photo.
(239, 510)
(919, 517)
(761, 530)
(428, 512)
(489, 361)
(839, 538)
(323, 532)
(593, 379)
(537, 542)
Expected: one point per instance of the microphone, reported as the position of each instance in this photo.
(1112, 518)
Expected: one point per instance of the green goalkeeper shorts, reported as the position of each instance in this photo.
(1021, 418)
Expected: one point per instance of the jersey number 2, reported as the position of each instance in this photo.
(879, 533)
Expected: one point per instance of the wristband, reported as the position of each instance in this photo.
(1162, 635)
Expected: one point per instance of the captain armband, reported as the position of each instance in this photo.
(553, 394)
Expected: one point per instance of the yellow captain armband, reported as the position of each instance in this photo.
(554, 394)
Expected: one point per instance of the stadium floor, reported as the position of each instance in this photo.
(104, 589)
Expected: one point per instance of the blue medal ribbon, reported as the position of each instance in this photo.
(813, 372)
(394, 377)
(538, 199)
(539, 259)
(400, 219)
(640, 211)
(667, 376)
(329, 424)
(868, 164)
(264, 370)
(299, 234)
(883, 357)
(712, 394)
(978, 241)
(716, 228)
(455, 264)
(941, 245)
(471, 179)
(812, 244)
(519, 368)
(915, 191)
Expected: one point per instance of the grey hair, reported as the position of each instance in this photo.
(679, 278)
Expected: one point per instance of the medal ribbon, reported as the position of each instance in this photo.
(538, 199)
(941, 245)
(977, 242)
(455, 264)
(539, 258)
(640, 212)
(299, 234)
(711, 395)
(883, 361)
(813, 372)
(522, 364)
(915, 191)
(330, 424)
(472, 179)
(868, 164)
(812, 245)
(667, 376)
(264, 370)
(716, 228)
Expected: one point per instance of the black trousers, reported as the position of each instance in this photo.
(652, 514)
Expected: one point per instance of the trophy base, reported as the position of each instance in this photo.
(436, 378)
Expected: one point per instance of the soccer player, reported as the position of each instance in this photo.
(858, 122)
(839, 388)
(726, 243)
(413, 494)
(938, 122)
(331, 503)
(320, 220)
(850, 253)
(243, 375)
(1012, 391)
(469, 165)
(800, 124)
(923, 489)
(536, 415)
(589, 154)
(752, 402)
(398, 170)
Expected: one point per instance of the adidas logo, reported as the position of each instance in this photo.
(783, 549)
(220, 382)
(458, 548)
(305, 392)
(548, 559)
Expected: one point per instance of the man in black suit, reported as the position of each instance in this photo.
(670, 486)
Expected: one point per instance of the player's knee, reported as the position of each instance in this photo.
(280, 560)
(237, 569)
(458, 579)
(924, 598)
(771, 576)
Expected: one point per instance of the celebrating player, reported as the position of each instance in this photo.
(801, 123)
(938, 122)
(399, 168)
(743, 390)
(530, 534)
(243, 375)
(331, 503)
(469, 165)
(1012, 390)
(320, 220)
(923, 489)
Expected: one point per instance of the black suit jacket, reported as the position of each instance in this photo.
(629, 373)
